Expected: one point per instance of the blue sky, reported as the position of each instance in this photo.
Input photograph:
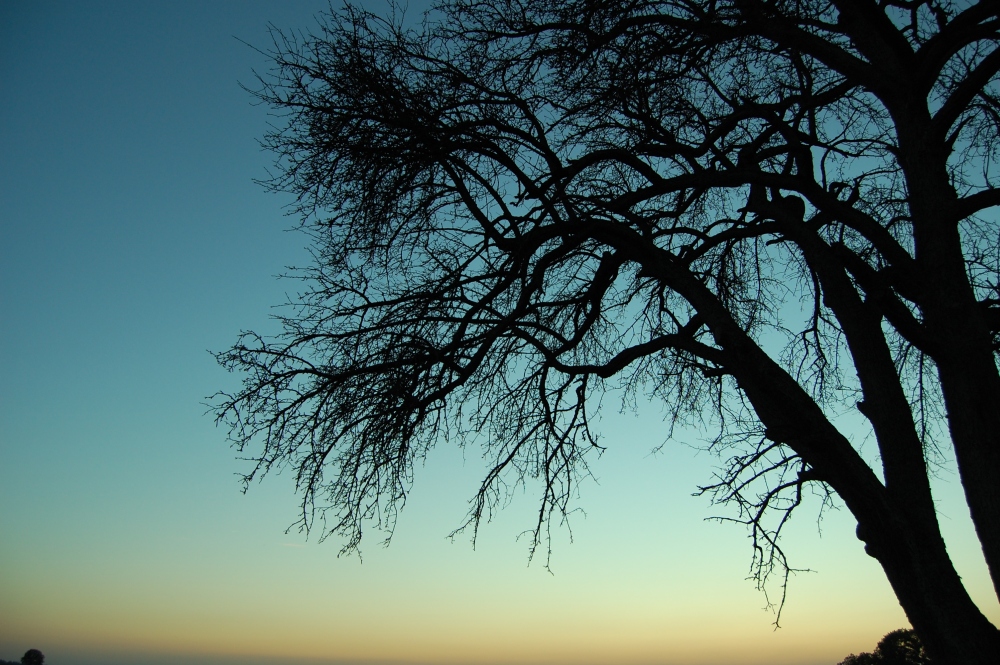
(133, 240)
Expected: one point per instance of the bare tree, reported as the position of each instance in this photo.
(756, 211)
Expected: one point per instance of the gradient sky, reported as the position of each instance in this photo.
(132, 241)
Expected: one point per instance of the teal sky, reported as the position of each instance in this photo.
(133, 241)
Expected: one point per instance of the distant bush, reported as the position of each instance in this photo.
(900, 647)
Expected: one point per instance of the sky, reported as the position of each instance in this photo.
(134, 241)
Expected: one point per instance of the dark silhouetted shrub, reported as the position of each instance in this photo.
(900, 647)
(33, 657)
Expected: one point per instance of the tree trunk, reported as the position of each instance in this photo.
(970, 382)
(971, 389)
(904, 539)
(931, 593)
(972, 401)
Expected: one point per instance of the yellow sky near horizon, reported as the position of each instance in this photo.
(672, 593)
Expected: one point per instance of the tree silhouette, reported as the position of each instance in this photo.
(900, 647)
(762, 213)
(33, 657)
(860, 659)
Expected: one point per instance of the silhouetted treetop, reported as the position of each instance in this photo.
(33, 657)
(900, 647)
(764, 214)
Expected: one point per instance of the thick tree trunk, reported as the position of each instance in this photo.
(906, 540)
(966, 363)
(971, 388)
(931, 593)
(909, 544)
(973, 403)
(902, 535)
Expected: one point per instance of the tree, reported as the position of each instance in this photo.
(903, 647)
(864, 658)
(33, 657)
(761, 212)
(900, 647)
